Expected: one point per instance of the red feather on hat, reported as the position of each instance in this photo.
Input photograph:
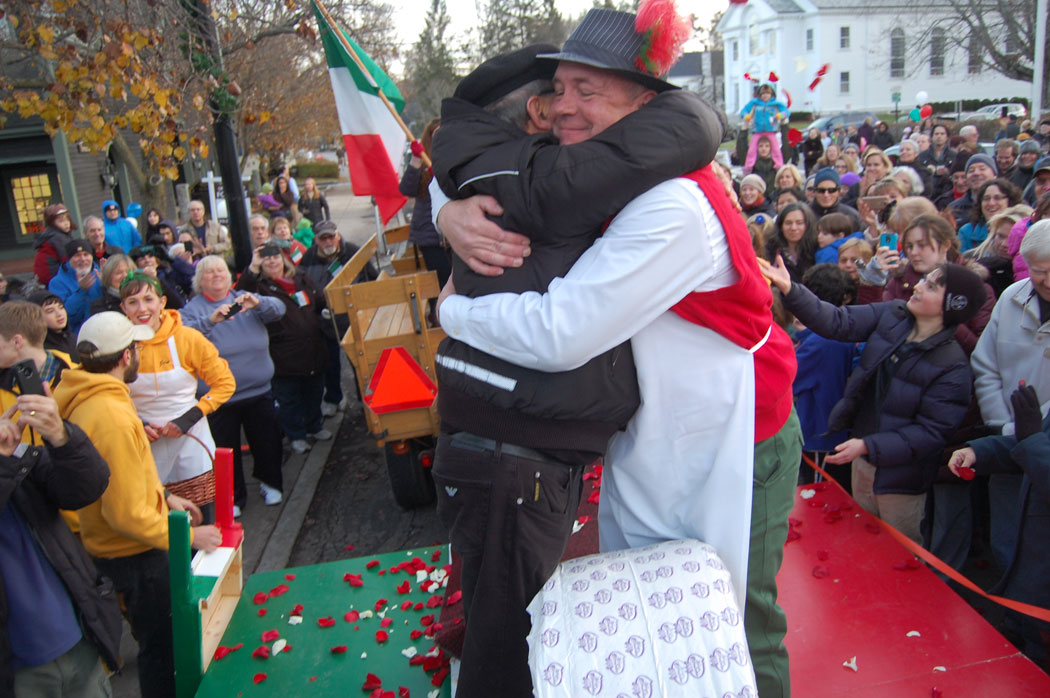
(664, 33)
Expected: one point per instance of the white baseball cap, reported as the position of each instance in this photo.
(109, 333)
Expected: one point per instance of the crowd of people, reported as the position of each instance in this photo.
(123, 365)
(914, 289)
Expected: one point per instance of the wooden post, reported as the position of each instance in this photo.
(185, 614)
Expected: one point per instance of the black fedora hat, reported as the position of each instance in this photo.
(609, 39)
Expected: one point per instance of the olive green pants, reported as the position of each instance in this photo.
(776, 473)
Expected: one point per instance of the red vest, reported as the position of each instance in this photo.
(741, 313)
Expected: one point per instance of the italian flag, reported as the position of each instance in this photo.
(373, 138)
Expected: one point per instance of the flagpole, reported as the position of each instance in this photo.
(353, 54)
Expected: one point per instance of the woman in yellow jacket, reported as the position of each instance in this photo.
(165, 393)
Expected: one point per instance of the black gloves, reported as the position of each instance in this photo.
(1028, 418)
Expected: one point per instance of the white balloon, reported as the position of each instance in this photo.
(921, 96)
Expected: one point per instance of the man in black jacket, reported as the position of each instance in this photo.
(321, 263)
(66, 614)
(508, 430)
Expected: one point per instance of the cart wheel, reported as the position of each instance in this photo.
(410, 481)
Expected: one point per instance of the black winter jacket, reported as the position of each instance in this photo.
(38, 484)
(924, 402)
(319, 269)
(559, 197)
(296, 342)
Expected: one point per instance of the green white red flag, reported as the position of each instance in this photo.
(373, 138)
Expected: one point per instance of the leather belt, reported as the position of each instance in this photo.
(472, 442)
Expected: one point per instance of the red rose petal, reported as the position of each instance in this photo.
(416, 660)
(287, 648)
(262, 612)
(313, 678)
(326, 622)
(426, 620)
(435, 601)
(382, 636)
(457, 621)
(435, 556)
(820, 571)
(357, 627)
(221, 651)
(404, 587)
(289, 576)
(386, 622)
(832, 517)
(379, 604)
(418, 606)
(792, 535)
(439, 677)
(936, 693)
(280, 589)
(594, 497)
(967, 473)
(416, 634)
(454, 598)
(259, 678)
(431, 663)
(371, 563)
(814, 503)
(792, 521)
(353, 580)
(297, 609)
(382, 572)
(351, 616)
(909, 564)
(338, 649)
(261, 652)
(260, 598)
(402, 692)
(270, 635)
(820, 486)
(822, 555)
(349, 547)
(371, 683)
(405, 605)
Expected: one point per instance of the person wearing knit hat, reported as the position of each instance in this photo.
(827, 198)
(1024, 171)
(980, 168)
(78, 282)
(753, 196)
(50, 244)
(898, 430)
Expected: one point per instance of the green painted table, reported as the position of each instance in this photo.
(309, 666)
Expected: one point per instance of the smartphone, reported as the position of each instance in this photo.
(27, 378)
(876, 203)
(234, 309)
(888, 240)
(188, 246)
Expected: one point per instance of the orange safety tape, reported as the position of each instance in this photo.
(940, 565)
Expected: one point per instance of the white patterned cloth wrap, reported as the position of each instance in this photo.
(641, 623)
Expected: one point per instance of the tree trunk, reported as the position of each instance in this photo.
(154, 193)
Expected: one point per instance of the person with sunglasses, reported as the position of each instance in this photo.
(826, 194)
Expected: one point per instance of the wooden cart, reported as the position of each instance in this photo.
(391, 345)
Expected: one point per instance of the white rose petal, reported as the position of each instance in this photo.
(420, 576)
(295, 620)
(366, 614)
(435, 693)
(807, 494)
(577, 526)
(277, 647)
(939, 668)
(851, 664)
(433, 652)
(914, 633)
(364, 655)
(410, 652)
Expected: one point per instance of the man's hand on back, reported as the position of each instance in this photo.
(483, 245)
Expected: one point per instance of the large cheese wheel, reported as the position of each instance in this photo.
(641, 623)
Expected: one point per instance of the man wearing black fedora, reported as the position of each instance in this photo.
(504, 424)
(713, 451)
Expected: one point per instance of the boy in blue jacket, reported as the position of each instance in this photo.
(765, 115)
(119, 231)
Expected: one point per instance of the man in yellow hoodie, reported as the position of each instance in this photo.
(126, 530)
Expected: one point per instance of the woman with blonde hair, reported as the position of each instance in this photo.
(312, 203)
(992, 257)
(788, 177)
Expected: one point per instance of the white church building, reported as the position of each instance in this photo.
(874, 50)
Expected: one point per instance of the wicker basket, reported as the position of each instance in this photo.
(200, 490)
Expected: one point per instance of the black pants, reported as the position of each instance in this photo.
(258, 417)
(333, 372)
(509, 519)
(144, 585)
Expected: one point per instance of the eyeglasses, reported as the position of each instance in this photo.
(108, 208)
(994, 197)
(826, 190)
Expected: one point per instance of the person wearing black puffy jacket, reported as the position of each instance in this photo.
(66, 614)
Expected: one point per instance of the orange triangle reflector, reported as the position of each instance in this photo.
(399, 383)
